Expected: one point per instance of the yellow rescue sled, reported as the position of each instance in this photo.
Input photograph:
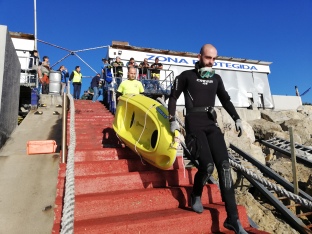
(142, 124)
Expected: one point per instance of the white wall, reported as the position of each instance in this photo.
(286, 102)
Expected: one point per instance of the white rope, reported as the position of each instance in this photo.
(127, 107)
(135, 146)
(124, 120)
(67, 224)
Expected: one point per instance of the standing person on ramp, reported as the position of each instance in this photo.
(204, 139)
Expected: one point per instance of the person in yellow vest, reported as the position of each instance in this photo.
(130, 86)
(76, 77)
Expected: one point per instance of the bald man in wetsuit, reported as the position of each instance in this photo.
(203, 137)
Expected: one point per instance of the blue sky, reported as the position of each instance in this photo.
(276, 31)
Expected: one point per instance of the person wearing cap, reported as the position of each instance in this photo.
(85, 95)
(118, 70)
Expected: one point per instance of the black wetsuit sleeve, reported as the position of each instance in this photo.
(176, 90)
(225, 100)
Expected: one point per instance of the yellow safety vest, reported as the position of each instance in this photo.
(77, 77)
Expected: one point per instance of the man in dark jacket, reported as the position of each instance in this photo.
(95, 86)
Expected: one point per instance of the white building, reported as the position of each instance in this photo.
(245, 80)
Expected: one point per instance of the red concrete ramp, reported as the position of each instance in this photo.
(116, 192)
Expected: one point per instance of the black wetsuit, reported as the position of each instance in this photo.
(209, 144)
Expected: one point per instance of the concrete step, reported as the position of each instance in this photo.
(89, 136)
(96, 144)
(96, 129)
(94, 114)
(89, 145)
(100, 128)
(161, 221)
(108, 167)
(103, 154)
(83, 125)
(87, 102)
(90, 119)
(96, 132)
(90, 109)
(90, 168)
(128, 181)
(93, 206)
(88, 140)
(87, 120)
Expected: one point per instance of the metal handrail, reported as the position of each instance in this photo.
(27, 74)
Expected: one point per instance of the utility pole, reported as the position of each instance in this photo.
(35, 24)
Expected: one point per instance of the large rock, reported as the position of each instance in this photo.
(285, 136)
(280, 116)
(305, 110)
(301, 127)
(264, 129)
(308, 143)
(248, 115)
(245, 145)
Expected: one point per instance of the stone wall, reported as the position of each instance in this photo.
(9, 85)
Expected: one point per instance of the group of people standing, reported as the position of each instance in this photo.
(144, 72)
(147, 74)
(43, 70)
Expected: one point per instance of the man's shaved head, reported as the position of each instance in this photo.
(207, 56)
(207, 47)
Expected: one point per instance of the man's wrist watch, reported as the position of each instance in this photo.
(171, 118)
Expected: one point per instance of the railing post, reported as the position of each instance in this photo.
(64, 128)
(293, 160)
